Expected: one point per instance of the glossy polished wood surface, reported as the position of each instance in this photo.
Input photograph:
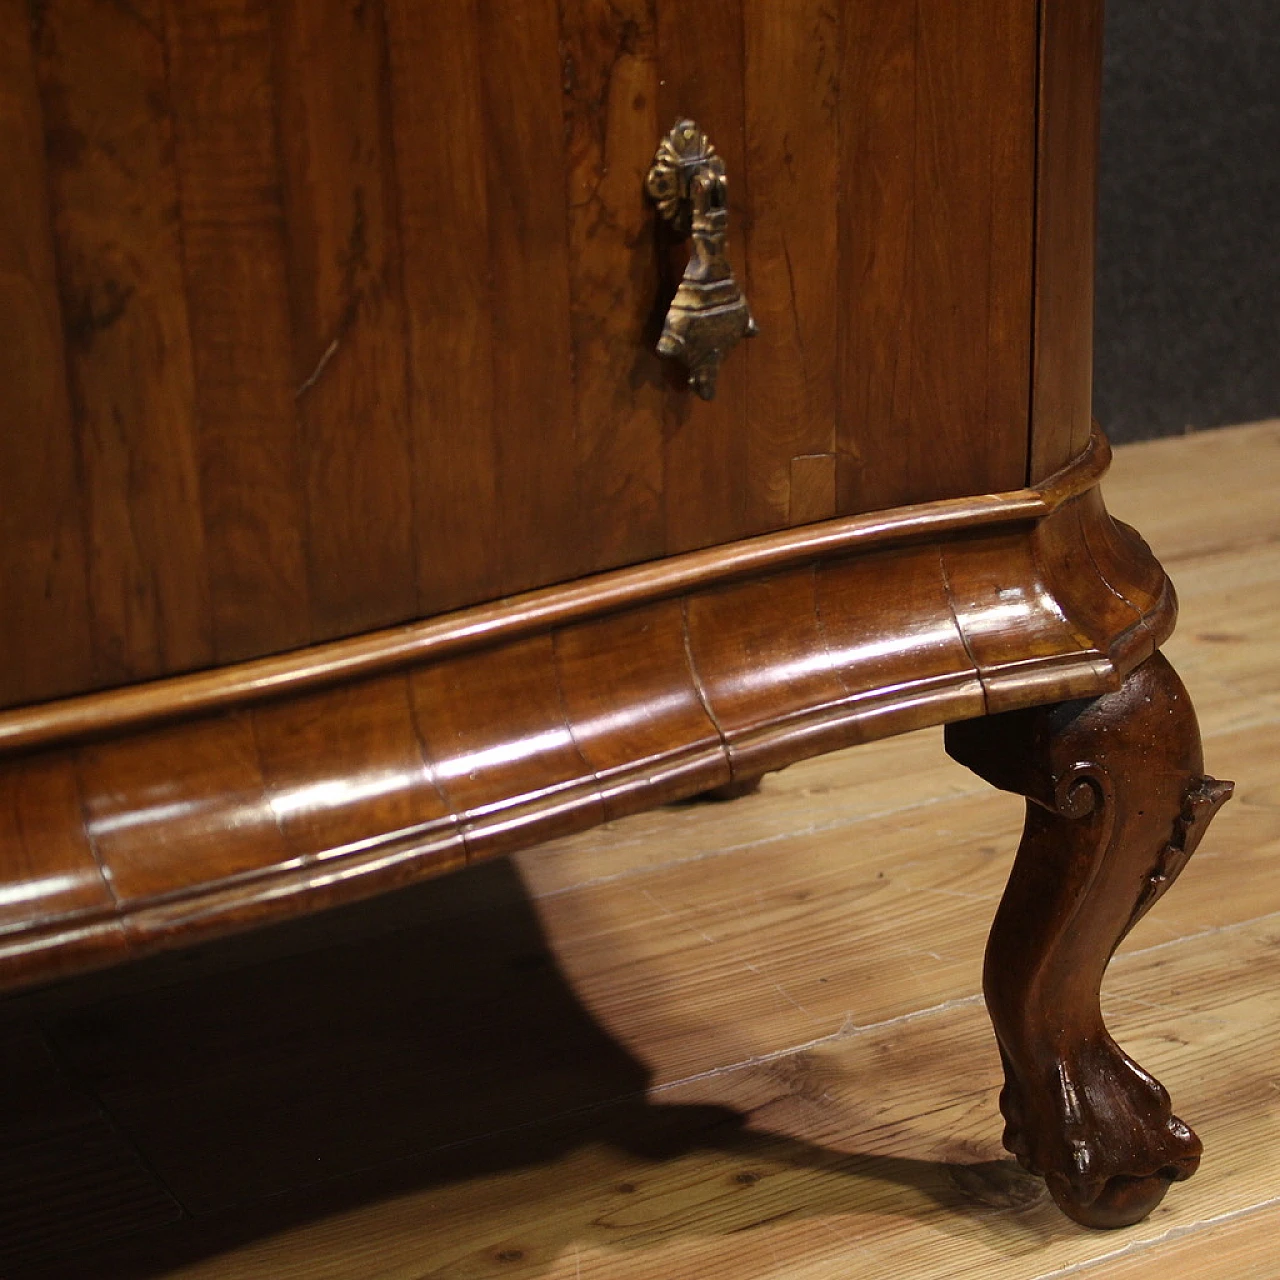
(325, 316)
(155, 833)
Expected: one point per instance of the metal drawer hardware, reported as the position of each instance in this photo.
(708, 315)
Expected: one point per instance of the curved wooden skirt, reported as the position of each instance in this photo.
(149, 817)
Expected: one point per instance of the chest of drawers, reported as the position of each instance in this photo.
(384, 486)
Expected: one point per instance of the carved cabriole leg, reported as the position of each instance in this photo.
(1116, 803)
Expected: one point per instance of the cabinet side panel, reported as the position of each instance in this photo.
(937, 173)
(44, 633)
(1066, 225)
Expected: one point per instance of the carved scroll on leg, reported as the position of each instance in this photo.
(1117, 801)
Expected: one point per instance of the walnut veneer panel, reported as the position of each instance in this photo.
(330, 316)
(235, 245)
(105, 89)
(45, 645)
(935, 264)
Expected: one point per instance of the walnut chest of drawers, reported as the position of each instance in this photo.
(430, 426)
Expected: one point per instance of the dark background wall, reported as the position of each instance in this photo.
(1188, 319)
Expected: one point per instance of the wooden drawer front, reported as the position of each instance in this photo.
(316, 316)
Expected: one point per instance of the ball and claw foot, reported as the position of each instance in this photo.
(1117, 802)
(1104, 1137)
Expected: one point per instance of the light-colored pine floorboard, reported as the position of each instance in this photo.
(794, 977)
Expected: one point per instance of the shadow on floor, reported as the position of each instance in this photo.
(172, 1111)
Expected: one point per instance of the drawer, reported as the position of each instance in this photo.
(327, 315)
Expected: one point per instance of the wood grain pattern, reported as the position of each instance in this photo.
(1241, 1244)
(208, 798)
(251, 476)
(303, 781)
(542, 610)
(782, 1158)
(1066, 221)
(812, 488)
(46, 848)
(793, 155)
(325, 665)
(359, 301)
(220, 801)
(1227, 520)
(876, 355)
(987, 595)
(508, 788)
(609, 55)
(675, 737)
(117, 219)
(538, 514)
(936, 163)
(344, 265)
(45, 643)
(729, 633)
(436, 79)
(705, 460)
(942, 664)
(323, 806)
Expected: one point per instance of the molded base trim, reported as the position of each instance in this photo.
(213, 807)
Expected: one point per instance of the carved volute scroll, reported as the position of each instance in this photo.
(708, 316)
(1117, 802)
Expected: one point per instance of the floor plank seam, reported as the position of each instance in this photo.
(1241, 726)
(1245, 546)
(1211, 931)
(845, 1032)
(818, 829)
(849, 1031)
(1135, 1247)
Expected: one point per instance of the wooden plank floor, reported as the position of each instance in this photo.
(738, 1040)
